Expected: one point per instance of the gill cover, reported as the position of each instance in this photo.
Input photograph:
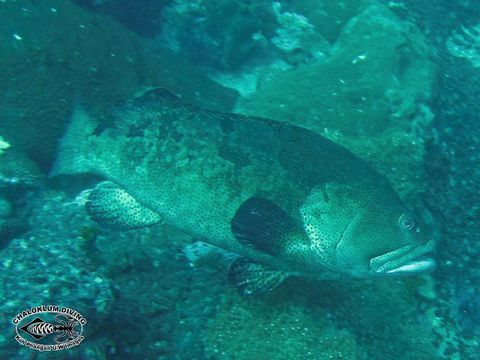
(327, 215)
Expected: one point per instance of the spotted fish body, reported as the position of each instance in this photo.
(281, 196)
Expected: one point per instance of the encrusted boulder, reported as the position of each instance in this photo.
(370, 94)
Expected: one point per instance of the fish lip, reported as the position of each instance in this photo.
(410, 261)
(419, 265)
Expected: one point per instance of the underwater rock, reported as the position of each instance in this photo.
(244, 330)
(5, 208)
(142, 17)
(388, 321)
(236, 35)
(323, 320)
(375, 86)
(19, 179)
(17, 173)
(296, 38)
(328, 17)
(80, 55)
(466, 303)
(219, 34)
(308, 27)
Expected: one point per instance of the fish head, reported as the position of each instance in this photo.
(365, 234)
(384, 240)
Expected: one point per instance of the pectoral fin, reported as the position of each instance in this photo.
(112, 207)
(261, 224)
(254, 279)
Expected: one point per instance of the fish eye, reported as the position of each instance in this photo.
(406, 222)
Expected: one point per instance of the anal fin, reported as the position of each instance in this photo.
(252, 278)
(114, 208)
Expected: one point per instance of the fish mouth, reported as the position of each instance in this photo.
(405, 261)
(419, 265)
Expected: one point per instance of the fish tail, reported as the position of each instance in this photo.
(74, 154)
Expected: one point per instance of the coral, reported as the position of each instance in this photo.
(374, 86)
(79, 55)
(466, 44)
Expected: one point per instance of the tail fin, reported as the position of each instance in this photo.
(73, 148)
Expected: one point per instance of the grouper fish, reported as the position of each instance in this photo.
(287, 200)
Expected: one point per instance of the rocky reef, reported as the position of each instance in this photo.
(47, 265)
(371, 94)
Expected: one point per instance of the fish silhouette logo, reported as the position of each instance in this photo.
(49, 328)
